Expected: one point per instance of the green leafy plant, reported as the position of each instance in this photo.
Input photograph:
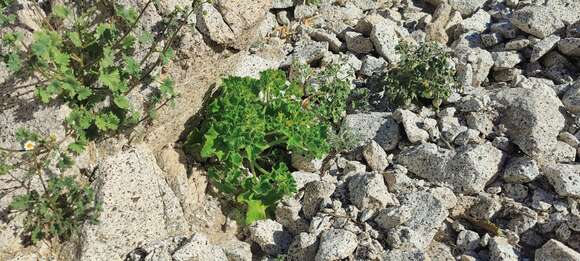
(5, 17)
(90, 62)
(59, 211)
(424, 72)
(248, 133)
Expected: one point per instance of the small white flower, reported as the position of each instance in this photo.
(29, 145)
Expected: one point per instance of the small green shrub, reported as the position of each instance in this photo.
(59, 211)
(424, 72)
(249, 131)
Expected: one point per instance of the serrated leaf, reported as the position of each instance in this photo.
(166, 88)
(167, 55)
(83, 93)
(14, 62)
(75, 39)
(256, 211)
(20, 202)
(108, 58)
(132, 66)
(107, 121)
(43, 95)
(61, 11)
(145, 38)
(111, 80)
(122, 102)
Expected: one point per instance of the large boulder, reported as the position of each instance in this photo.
(537, 20)
(137, 206)
(554, 250)
(466, 170)
(532, 118)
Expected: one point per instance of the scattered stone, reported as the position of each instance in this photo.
(466, 7)
(570, 46)
(390, 218)
(358, 43)
(501, 250)
(305, 164)
(572, 98)
(375, 156)
(410, 123)
(371, 64)
(237, 250)
(302, 178)
(467, 240)
(211, 23)
(555, 250)
(282, 4)
(521, 170)
(304, 247)
(489, 40)
(307, 51)
(543, 47)
(517, 44)
(198, 248)
(564, 178)
(384, 37)
(336, 244)
(270, 236)
(314, 194)
(537, 20)
(368, 190)
(505, 60)
(378, 126)
(485, 207)
(334, 43)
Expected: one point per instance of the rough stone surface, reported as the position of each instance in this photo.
(384, 38)
(210, 22)
(304, 247)
(375, 156)
(570, 46)
(314, 193)
(537, 20)
(368, 190)
(270, 236)
(380, 127)
(557, 251)
(198, 248)
(521, 170)
(336, 244)
(466, 7)
(410, 123)
(572, 98)
(564, 178)
(543, 47)
(130, 186)
(501, 250)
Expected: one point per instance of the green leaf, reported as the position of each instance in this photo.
(61, 11)
(256, 211)
(83, 93)
(14, 62)
(108, 58)
(132, 66)
(145, 38)
(128, 14)
(107, 121)
(76, 148)
(43, 95)
(166, 88)
(111, 80)
(20, 202)
(167, 55)
(75, 38)
(122, 102)
(65, 162)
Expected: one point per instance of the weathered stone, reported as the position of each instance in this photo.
(368, 190)
(237, 250)
(336, 244)
(486, 207)
(211, 23)
(473, 65)
(505, 60)
(375, 156)
(314, 193)
(371, 65)
(358, 43)
(570, 46)
(304, 247)
(288, 214)
(467, 240)
(572, 98)
(380, 127)
(554, 250)
(302, 178)
(501, 250)
(270, 236)
(544, 46)
(466, 7)
(334, 44)
(537, 20)
(390, 218)
(243, 15)
(564, 178)
(130, 187)
(384, 38)
(532, 118)
(307, 51)
(410, 123)
(521, 170)
(198, 248)
(282, 4)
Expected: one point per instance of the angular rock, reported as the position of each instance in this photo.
(501, 250)
(410, 123)
(564, 178)
(130, 187)
(390, 218)
(543, 47)
(467, 240)
(466, 7)
(305, 164)
(537, 20)
(314, 193)
(371, 64)
(554, 250)
(378, 126)
(307, 51)
(572, 98)
(358, 43)
(486, 207)
(505, 60)
(270, 236)
(384, 38)
(405, 254)
(336, 244)
(302, 178)
(304, 247)
(282, 4)
(570, 46)
(198, 248)
(473, 65)
(334, 43)
(368, 190)
(288, 214)
(237, 250)
(521, 170)
(211, 23)
(242, 15)
(375, 156)
(532, 118)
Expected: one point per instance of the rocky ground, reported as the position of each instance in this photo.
(493, 175)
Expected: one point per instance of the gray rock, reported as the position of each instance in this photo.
(466, 7)
(302, 178)
(303, 247)
(130, 187)
(564, 178)
(211, 23)
(505, 60)
(282, 4)
(467, 240)
(270, 236)
(375, 156)
(544, 46)
(358, 43)
(252, 64)
(479, 22)
(378, 126)
(237, 250)
(489, 40)
(336, 244)
(554, 250)
(445, 195)
(479, 121)
(468, 170)
(305, 164)
(304, 11)
(368, 190)
(539, 21)
(473, 65)
(486, 207)
(371, 64)
(427, 214)
(157, 250)
(198, 248)
(572, 98)
(282, 18)
(501, 250)
(288, 214)
(517, 44)
(314, 194)
(407, 254)
(567, 10)
(243, 16)
(307, 51)
(570, 46)
(521, 217)
(515, 191)
(334, 43)
(410, 123)
(384, 38)
(532, 118)
(506, 29)
(390, 218)
(521, 170)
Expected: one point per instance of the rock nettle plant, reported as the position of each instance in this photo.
(91, 59)
(248, 133)
(423, 73)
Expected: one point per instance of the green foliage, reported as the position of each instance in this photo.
(57, 212)
(424, 72)
(249, 131)
(5, 17)
(88, 61)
